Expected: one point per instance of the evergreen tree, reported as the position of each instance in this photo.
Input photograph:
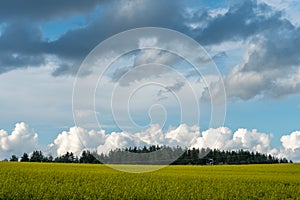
(13, 158)
(25, 158)
(37, 156)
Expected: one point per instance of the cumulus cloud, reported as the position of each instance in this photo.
(291, 146)
(213, 138)
(222, 138)
(22, 139)
(291, 141)
(252, 140)
(270, 67)
(76, 139)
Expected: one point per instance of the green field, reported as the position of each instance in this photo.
(81, 181)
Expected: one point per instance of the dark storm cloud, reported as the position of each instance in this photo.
(44, 9)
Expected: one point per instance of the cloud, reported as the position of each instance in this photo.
(22, 139)
(290, 8)
(37, 10)
(242, 20)
(147, 63)
(76, 139)
(183, 135)
(24, 37)
(22, 43)
(291, 146)
(270, 67)
(122, 15)
(213, 138)
(291, 141)
(222, 138)
(176, 87)
(252, 140)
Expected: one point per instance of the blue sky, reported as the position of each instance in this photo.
(254, 44)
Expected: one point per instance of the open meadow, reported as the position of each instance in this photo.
(87, 181)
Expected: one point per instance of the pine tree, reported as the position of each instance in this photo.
(25, 158)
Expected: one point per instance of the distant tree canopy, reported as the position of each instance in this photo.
(179, 156)
(13, 158)
(158, 155)
(37, 156)
(25, 158)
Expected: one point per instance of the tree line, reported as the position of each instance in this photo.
(157, 155)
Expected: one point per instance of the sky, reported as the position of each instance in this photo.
(93, 75)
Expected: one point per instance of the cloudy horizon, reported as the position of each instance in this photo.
(24, 139)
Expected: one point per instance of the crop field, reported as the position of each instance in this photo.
(84, 181)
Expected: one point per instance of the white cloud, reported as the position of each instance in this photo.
(290, 154)
(291, 141)
(224, 138)
(218, 11)
(183, 135)
(290, 146)
(119, 140)
(76, 139)
(214, 138)
(22, 139)
(252, 140)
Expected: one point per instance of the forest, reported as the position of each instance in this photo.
(157, 155)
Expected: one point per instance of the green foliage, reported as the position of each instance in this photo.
(179, 156)
(37, 156)
(25, 158)
(81, 181)
(13, 158)
(158, 155)
(87, 157)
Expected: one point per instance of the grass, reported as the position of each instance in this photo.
(80, 181)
